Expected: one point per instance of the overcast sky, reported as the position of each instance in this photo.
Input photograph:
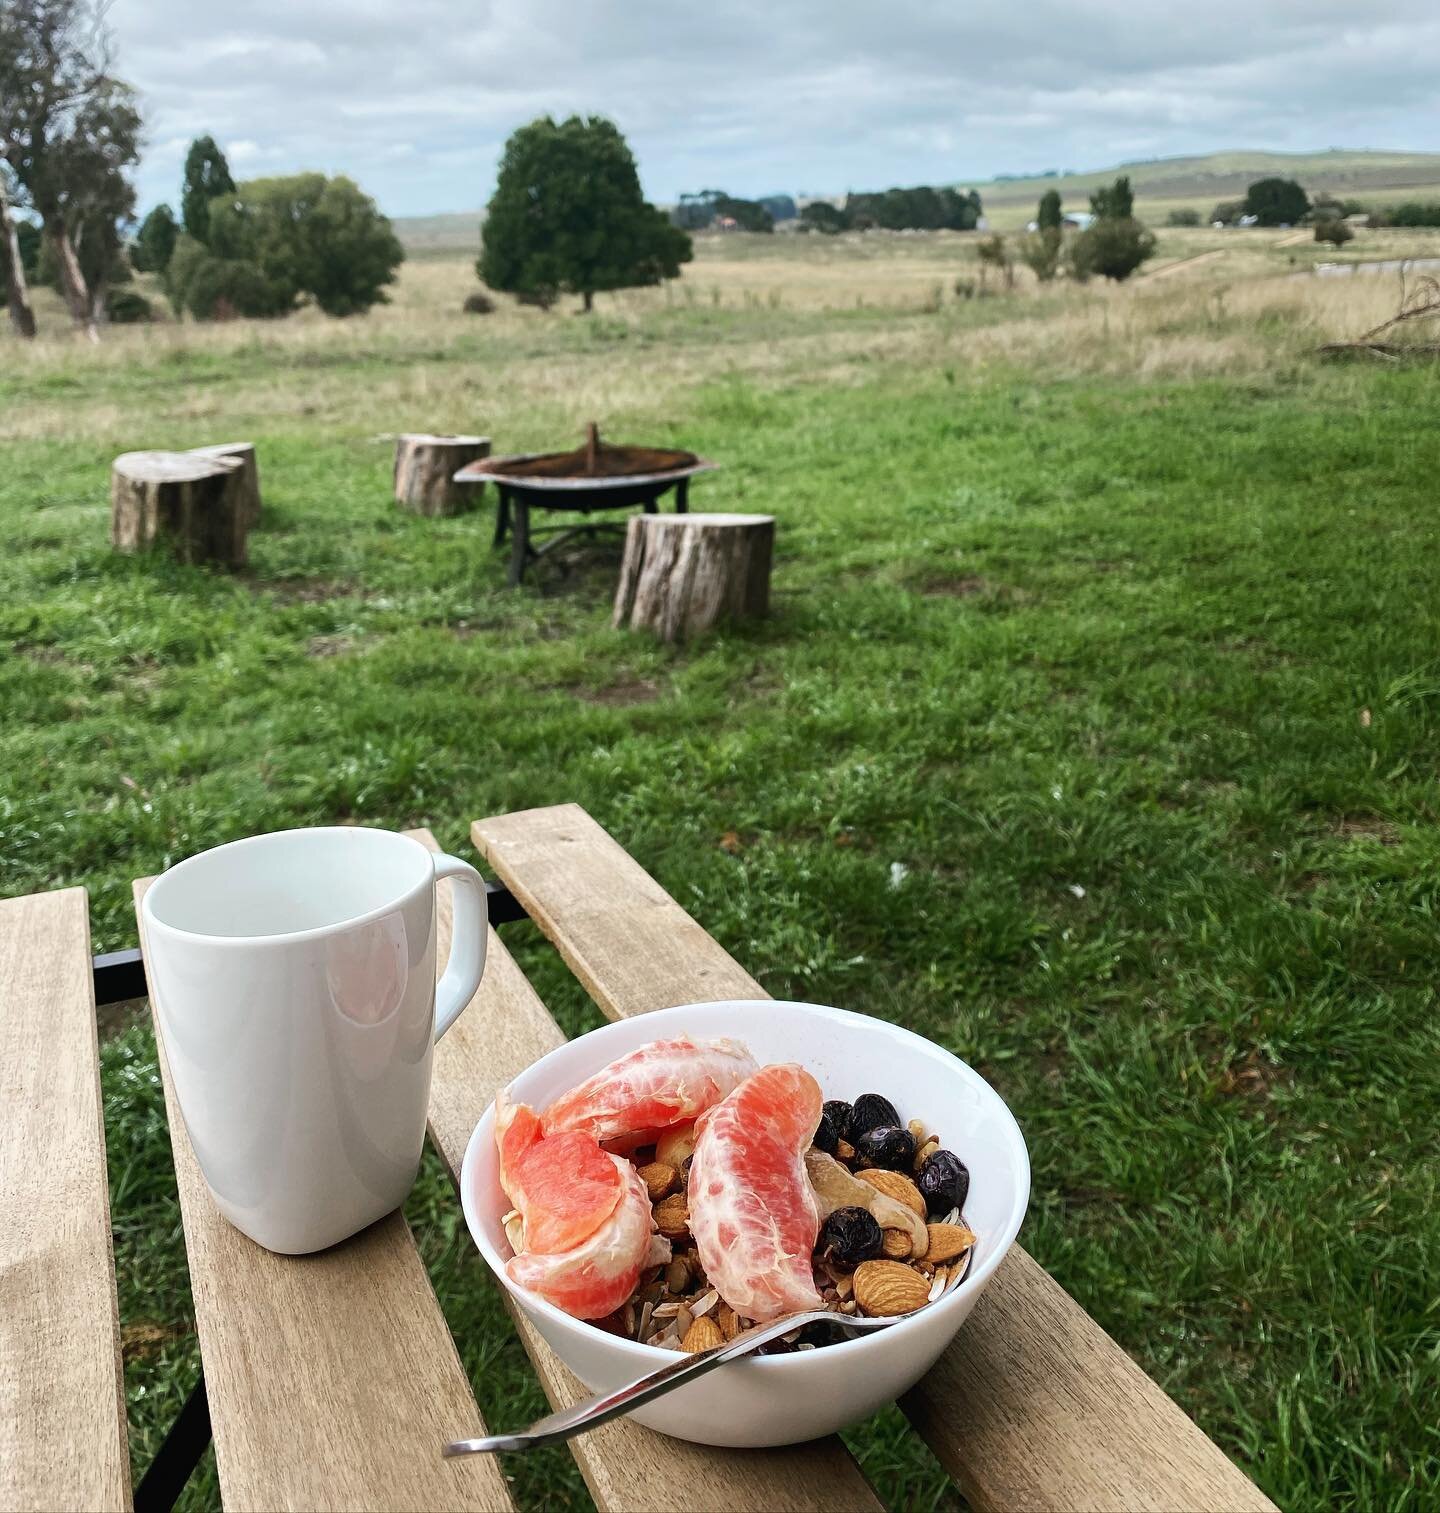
(414, 98)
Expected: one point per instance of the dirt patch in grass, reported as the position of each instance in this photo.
(147, 1337)
(331, 646)
(956, 586)
(1251, 1076)
(620, 695)
(304, 590)
(1367, 827)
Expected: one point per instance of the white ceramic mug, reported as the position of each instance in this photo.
(294, 975)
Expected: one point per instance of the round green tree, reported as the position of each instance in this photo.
(1049, 216)
(1277, 202)
(567, 216)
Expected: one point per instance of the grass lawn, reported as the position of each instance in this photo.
(1129, 661)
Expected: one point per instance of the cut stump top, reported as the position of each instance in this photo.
(702, 521)
(172, 467)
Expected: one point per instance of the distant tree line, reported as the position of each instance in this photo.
(918, 209)
(708, 208)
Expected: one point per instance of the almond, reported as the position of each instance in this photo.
(895, 1185)
(658, 1178)
(948, 1241)
(703, 1334)
(672, 1217)
(844, 1151)
(726, 1318)
(896, 1244)
(676, 1145)
(886, 1288)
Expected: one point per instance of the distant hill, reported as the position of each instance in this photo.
(1161, 185)
(439, 235)
(1165, 184)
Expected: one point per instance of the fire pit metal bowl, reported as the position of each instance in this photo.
(594, 477)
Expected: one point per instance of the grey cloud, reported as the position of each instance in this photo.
(415, 99)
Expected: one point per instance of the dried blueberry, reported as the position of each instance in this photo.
(887, 1146)
(871, 1111)
(849, 1236)
(831, 1128)
(838, 1111)
(944, 1182)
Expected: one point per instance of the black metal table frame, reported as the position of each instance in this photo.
(513, 516)
(119, 976)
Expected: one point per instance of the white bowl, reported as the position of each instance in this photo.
(783, 1399)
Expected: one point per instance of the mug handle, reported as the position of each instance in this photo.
(468, 939)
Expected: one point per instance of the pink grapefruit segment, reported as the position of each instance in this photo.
(565, 1186)
(595, 1277)
(649, 1089)
(753, 1214)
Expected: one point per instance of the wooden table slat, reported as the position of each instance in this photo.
(503, 1030)
(1033, 1406)
(333, 1380)
(62, 1402)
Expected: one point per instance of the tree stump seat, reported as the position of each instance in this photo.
(684, 574)
(425, 468)
(195, 504)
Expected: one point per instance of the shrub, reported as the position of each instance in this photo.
(307, 234)
(1115, 202)
(1113, 249)
(1414, 213)
(478, 303)
(1333, 230)
(1183, 217)
(124, 307)
(541, 299)
(995, 254)
(1040, 252)
(1227, 212)
(1049, 216)
(208, 287)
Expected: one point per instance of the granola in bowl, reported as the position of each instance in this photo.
(684, 1191)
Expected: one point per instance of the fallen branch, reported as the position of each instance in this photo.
(1422, 302)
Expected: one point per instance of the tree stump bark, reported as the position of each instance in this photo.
(193, 505)
(683, 574)
(244, 453)
(425, 468)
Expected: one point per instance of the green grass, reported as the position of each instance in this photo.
(1140, 683)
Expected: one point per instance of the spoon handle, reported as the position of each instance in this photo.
(600, 1409)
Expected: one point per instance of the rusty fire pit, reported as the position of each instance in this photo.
(596, 476)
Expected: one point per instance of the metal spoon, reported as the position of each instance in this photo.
(604, 1406)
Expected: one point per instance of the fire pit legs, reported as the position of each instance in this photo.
(682, 496)
(502, 516)
(520, 547)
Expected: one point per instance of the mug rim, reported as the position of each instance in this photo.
(163, 883)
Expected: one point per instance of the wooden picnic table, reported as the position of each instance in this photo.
(330, 1381)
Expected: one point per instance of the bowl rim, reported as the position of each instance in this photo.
(644, 1354)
